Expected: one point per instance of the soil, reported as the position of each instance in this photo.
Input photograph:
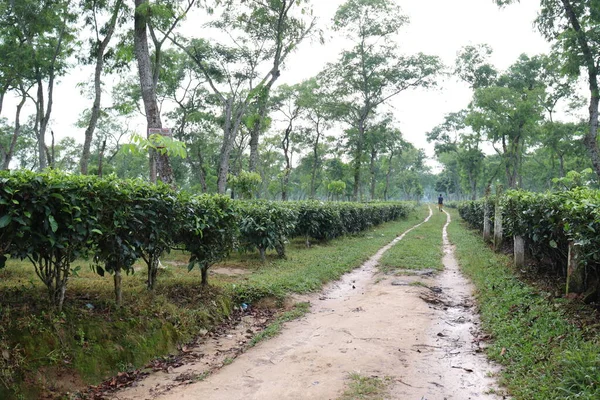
(419, 332)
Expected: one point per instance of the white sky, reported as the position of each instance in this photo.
(437, 27)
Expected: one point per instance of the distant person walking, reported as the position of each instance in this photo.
(440, 202)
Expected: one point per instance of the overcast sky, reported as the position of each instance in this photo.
(437, 27)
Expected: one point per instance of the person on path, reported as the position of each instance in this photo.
(440, 202)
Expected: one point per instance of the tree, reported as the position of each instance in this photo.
(573, 27)
(260, 32)
(463, 147)
(276, 24)
(473, 68)
(508, 113)
(317, 108)
(43, 33)
(286, 102)
(373, 71)
(163, 17)
(98, 49)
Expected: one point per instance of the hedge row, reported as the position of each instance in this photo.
(52, 219)
(548, 222)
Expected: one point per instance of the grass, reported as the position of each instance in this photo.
(420, 249)
(364, 387)
(543, 354)
(275, 327)
(92, 340)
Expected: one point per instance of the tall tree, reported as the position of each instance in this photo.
(153, 18)
(508, 113)
(260, 33)
(373, 70)
(573, 27)
(102, 35)
(274, 21)
(44, 33)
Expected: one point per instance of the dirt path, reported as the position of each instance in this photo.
(418, 336)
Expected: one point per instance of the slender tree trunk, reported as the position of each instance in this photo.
(118, 292)
(89, 132)
(16, 132)
(372, 170)
(159, 163)
(358, 159)
(41, 134)
(255, 133)
(591, 138)
(226, 148)
(204, 274)
(202, 172)
(316, 163)
(101, 159)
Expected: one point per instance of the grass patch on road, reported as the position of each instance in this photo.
(365, 387)
(275, 327)
(543, 355)
(420, 249)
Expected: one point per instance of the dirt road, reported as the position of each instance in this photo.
(418, 337)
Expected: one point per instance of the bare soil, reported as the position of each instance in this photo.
(422, 337)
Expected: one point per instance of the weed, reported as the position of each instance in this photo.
(363, 387)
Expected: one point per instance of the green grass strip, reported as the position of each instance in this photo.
(366, 388)
(275, 327)
(544, 356)
(420, 249)
(306, 270)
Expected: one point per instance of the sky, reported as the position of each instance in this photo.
(437, 27)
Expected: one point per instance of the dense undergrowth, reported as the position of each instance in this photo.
(545, 355)
(48, 352)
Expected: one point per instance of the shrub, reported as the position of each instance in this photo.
(266, 225)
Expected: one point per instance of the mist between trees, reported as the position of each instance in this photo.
(210, 70)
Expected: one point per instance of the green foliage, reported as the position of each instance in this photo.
(544, 355)
(207, 229)
(245, 183)
(548, 222)
(266, 225)
(336, 188)
(161, 144)
(51, 220)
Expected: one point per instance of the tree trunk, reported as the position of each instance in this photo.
(313, 177)
(358, 159)
(226, 147)
(118, 291)
(159, 163)
(89, 132)
(152, 272)
(16, 132)
(591, 138)
(41, 133)
(372, 170)
(204, 274)
(101, 159)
